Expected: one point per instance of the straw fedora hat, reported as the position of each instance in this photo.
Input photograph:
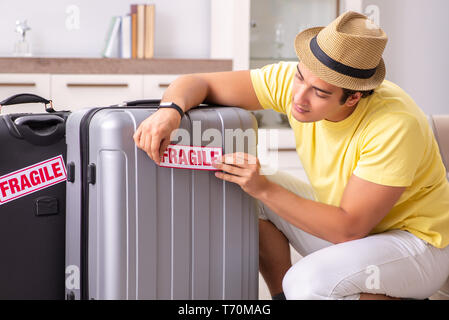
(347, 53)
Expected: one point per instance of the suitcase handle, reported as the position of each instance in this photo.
(38, 129)
(149, 102)
(22, 98)
(135, 103)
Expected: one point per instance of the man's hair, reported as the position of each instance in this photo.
(347, 93)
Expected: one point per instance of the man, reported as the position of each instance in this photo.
(374, 224)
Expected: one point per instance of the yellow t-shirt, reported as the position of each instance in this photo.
(386, 140)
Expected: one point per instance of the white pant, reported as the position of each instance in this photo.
(394, 263)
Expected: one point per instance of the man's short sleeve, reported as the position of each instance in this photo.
(391, 151)
(273, 85)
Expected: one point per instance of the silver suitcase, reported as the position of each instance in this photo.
(135, 230)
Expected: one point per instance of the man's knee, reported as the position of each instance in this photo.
(304, 282)
(311, 279)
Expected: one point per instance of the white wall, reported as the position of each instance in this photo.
(182, 27)
(417, 50)
(229, 25)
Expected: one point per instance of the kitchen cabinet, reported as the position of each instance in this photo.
(74, 83)
(254, 33)
(74, 91)
(274, 25)
(155, 85)
(11, 84)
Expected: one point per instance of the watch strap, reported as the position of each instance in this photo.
(171, 105)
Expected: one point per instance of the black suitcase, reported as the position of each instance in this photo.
(32, 202)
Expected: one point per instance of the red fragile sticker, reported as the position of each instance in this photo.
(36, 177)
(190, 157)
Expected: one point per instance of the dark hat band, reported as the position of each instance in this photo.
(337, 66)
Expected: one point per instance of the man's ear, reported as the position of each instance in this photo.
(353, 99)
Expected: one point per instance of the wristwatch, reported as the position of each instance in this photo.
(171, 105)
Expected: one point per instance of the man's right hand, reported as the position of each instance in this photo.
(153, 134)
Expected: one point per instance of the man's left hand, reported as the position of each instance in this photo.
(244, 170)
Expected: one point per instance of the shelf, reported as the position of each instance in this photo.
(112, 65)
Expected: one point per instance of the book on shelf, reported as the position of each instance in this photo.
(149, 31)
(125, 37)
(140, 31)
(132, 35)
(143, 30)
(111, 44)
(134, 31)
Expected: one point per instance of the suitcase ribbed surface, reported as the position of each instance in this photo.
(160, 233)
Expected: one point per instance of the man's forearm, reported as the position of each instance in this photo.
(327, 222)
(186, 91)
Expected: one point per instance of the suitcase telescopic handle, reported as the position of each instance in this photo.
(23, 98)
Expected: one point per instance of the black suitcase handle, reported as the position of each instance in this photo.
(38, 129)
(23, 98)
(152, 102)
(135, 103)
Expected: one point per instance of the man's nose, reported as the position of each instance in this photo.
(300, 96)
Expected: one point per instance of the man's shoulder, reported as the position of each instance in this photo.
(286, 67)
(389, 87)
(392, 123)
(273, 84)
(389, 90)
(390, 101)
